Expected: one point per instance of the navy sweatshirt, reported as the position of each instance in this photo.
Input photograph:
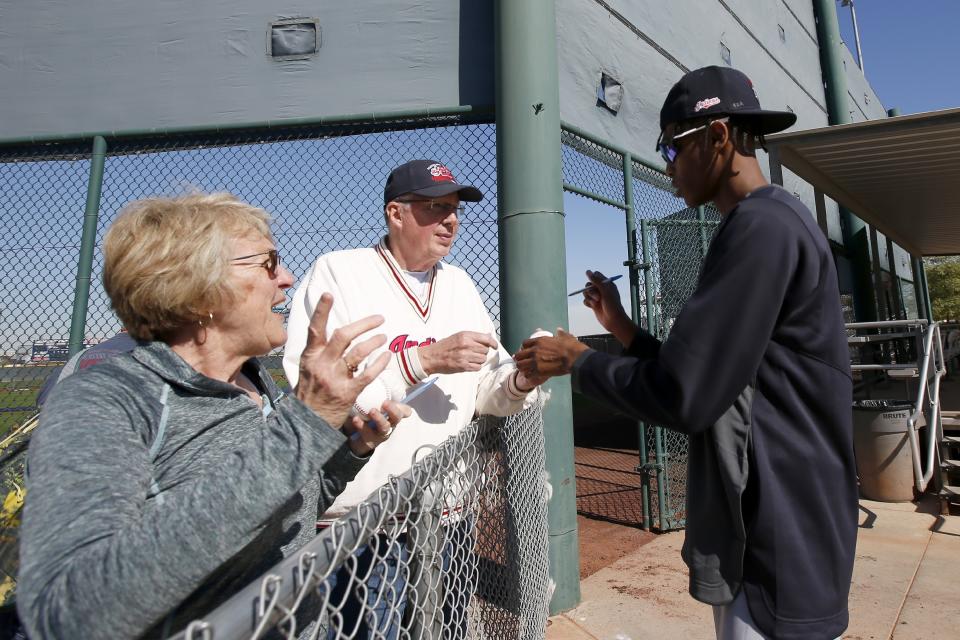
(756, 370)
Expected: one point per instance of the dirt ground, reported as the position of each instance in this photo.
(603, 543)
(609, 506)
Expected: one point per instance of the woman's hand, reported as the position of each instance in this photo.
(365, 436)
(327, 382)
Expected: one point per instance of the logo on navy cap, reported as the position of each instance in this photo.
(439, 173)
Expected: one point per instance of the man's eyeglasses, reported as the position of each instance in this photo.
(270, 264)
(669, 150)
(439, 209)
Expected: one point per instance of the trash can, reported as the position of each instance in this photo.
(882, 447)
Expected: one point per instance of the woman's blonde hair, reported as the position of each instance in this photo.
(165, 259)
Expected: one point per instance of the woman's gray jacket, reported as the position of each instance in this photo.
(155, 493)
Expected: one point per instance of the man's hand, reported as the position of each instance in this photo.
(604, 299)
(463, 351)
(327, 384)
(542, 358)
(365, 436)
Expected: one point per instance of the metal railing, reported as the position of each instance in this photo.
(455, 547)
(930, 366)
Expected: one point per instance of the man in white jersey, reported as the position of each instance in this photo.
(435, 321)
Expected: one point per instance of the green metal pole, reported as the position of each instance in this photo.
(81, 295)
(927, 305)
(652, 330)
(532, 251)
(632, 265)
(919, 293)
(838, 112)
(704, 238)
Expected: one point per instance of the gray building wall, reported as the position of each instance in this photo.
(101, 65)
(648, 44)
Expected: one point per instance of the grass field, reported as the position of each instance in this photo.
(22, 393)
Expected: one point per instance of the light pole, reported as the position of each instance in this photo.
(856, 30)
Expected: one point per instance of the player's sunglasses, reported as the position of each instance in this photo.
(270, 264)
(669, 150)
(439, 209)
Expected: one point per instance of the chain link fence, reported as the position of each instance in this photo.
(322, 184)
(456, 547)
(665, 250)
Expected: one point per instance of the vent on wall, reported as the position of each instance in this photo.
(293, 38)
(609, 93)
(725, 54)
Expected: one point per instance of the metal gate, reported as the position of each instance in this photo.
(666, 243)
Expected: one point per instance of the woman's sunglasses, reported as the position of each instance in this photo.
(270, 264)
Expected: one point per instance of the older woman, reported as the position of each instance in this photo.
(166, 479)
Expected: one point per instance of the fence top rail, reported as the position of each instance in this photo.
(612, 147)
(286, 123)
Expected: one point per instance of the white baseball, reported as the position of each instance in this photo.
(372, 397)
(540, 333)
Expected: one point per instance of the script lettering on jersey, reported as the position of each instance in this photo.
(403, 341)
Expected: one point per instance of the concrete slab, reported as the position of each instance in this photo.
(932, 607)
(890, 545)
(563, 628)
(903, 584)
(643, 595)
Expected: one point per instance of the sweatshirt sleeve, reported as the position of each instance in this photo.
(497, 390)
(100, 560)
(320, 280)
(718, 340)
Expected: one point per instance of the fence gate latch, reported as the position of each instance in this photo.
(636, 265)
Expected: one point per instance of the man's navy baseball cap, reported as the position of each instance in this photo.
(721, 91)
(427, 178)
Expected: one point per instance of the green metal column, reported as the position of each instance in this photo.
(658, 465)
(532, 252)
(704, 236)
(925, 289)
(921, 293)
(81, 295)
(633, 265)
(838, 112)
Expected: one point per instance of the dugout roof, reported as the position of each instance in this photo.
(901, 174)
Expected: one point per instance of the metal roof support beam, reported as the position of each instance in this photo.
(835, 86)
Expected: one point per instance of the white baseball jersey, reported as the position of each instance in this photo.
(369, 281)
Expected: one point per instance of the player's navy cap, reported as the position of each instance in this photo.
(427, 178)
(721, 91)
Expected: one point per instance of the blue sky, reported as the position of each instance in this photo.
(910, 51)
(911, 54)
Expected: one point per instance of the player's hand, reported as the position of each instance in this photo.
(604, 299)
(327, 383)
(543, 358)
(365, 436)
(463, 351)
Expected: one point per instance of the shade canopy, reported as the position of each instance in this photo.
(900, 175)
